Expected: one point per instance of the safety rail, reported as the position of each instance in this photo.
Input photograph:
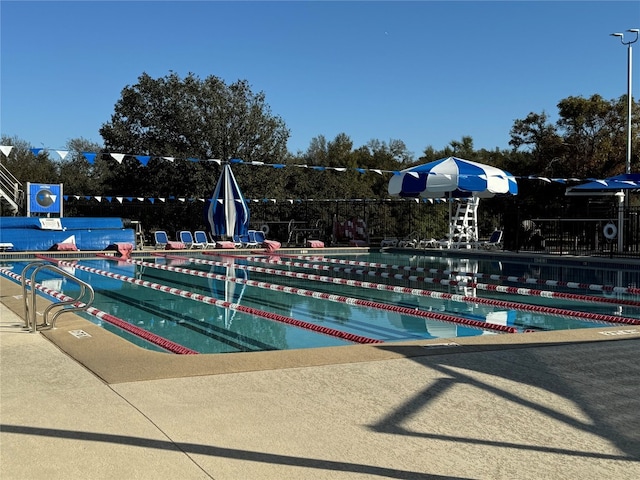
(30, 297)
(11, 190)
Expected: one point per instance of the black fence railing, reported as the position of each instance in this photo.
(600, 236)
(564, 227)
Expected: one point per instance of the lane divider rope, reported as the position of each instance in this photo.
(560, 312)
(310, 293)
(504, 278)
(454, 283)
(113, 320)
(214, 301)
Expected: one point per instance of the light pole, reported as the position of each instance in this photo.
(621, 35)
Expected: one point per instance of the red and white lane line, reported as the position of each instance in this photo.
(213, 301)
(113, 320)
(559, 312)
(455, 283)
(310, 293)
(502, 278)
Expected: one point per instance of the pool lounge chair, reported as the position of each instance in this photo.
(249, 240)
(410, 241)
(186, 237)
(163, 242)
(256, 237)
(161, 238)
(494, 242)
(237, 241)
(389, 242)
(201, 237)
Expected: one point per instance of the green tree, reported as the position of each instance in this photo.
(189, 118)
(78, 175)
(27, 166)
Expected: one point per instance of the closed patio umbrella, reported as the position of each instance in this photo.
(228, 212)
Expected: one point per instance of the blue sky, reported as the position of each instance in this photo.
(426, 73)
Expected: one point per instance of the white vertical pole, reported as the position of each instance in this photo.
(620, 196)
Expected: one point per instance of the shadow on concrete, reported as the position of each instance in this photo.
(599, 377)
(245, 455)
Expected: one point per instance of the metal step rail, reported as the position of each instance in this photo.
(29, 296)
(11, 191)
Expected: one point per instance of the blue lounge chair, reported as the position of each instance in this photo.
(494, 242)
(186, 237)
(248, 240)
(237, 241)
(201, 237)
(257, 236)
(161, 238)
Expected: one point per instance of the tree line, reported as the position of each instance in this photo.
(206, 118)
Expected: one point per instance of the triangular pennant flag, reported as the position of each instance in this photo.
(6, 149)
(152, 200)
(36, 151)
(98, 198)
(215, 160)
(169, 159)
(143, 159)
(62, 153)
(108, 199)
(141, 199)
(118, 157)
(119, 199)
(130, 199)
(162, 199)
(91, 157)
(191, 159)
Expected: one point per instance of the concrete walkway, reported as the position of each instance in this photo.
(562, 405)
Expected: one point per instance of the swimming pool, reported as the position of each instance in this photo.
(221, 304)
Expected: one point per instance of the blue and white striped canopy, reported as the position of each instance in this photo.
(452, 177)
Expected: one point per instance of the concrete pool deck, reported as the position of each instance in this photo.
(528, 406)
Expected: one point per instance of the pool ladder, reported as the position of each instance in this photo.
(29, 297)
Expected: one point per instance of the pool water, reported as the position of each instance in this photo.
(321, 298)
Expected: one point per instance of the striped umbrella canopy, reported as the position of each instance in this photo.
(452, 177)
(228, 213)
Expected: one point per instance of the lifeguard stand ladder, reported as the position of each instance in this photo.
(464, 224)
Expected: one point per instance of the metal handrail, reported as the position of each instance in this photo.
(30, 300)
(11, 188)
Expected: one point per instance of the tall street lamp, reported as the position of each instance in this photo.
(621, 35)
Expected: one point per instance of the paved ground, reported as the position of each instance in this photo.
(543, 405)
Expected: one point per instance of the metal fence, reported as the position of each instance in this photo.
(561, 226)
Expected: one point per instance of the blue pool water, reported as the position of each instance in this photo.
(257, 295)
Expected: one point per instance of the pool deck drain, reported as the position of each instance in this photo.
(528, 406)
